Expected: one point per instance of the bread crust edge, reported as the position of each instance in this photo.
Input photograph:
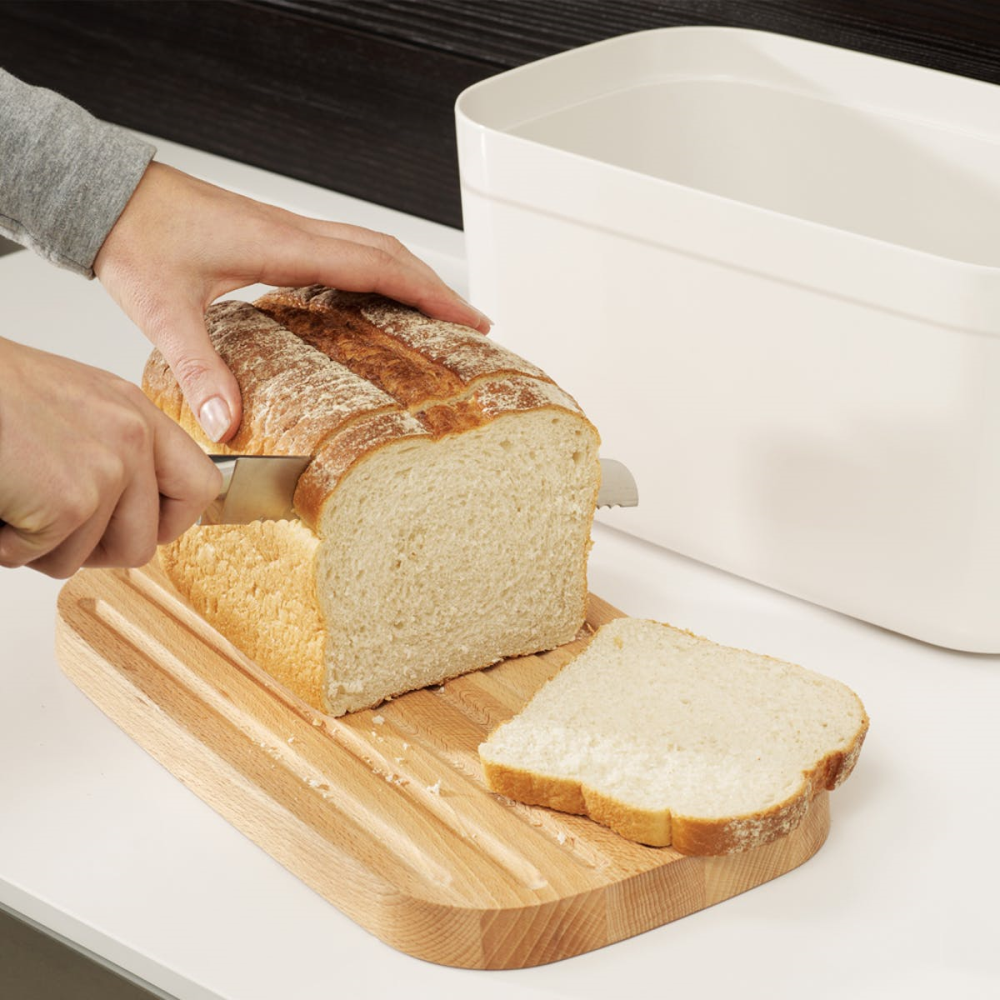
(661, 828)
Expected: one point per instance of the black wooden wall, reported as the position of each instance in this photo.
(358, 96)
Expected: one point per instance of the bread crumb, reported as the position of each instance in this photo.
(435, 789)
(406, 746)
(561, 837)
(378, 720)
(291, 740)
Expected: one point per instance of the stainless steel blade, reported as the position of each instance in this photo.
(618, 487)
(261, 488)
(255, 488)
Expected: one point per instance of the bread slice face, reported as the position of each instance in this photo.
(671, 739)
(443, 556)
(445, 517)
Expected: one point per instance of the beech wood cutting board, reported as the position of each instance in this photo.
(384, 812)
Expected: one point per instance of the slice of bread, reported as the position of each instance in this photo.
(445, 517)
(671, 739)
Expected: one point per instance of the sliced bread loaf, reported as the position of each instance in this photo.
(445, 517)
(671, 739)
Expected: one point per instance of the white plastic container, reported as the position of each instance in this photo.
(769, 270)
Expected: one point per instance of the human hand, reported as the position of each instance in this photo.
(181, 243)
(91, 473)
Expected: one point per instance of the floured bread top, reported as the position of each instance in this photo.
(335, 374)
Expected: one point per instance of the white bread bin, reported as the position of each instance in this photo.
(769, 270)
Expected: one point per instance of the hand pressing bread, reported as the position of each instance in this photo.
(90, 473)
(181, 243)
(445, 517)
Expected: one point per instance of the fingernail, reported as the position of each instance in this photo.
(484, 323)
(483, 318)
(214, 417)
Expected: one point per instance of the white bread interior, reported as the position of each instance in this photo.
(671, 739)
(440, 557)
(446, 515)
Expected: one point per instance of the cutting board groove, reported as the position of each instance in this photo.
(384, 812)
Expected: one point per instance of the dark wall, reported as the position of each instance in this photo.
(358, 96)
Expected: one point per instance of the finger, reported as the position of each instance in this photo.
(312, 258)
(19, 547)
(368, 237)
(38, 533)
(357, 234)
(187, 480)
(129, 537)
(467, 314)
(66, 558)
(207, 384)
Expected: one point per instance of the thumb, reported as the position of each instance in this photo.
(209, 387)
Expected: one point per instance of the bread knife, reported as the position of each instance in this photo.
(261, 487)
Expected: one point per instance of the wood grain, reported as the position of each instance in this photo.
(384, 812)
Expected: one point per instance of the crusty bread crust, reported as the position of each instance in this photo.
(351, 357)
(487, 400)
(276, 372)
(416, 360)
(686, 834)
(339, 376)
(255, 584)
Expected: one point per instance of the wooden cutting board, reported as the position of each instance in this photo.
(384, 812)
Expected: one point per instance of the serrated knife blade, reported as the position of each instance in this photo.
(261, 488)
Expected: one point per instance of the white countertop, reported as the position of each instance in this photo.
(101, 845)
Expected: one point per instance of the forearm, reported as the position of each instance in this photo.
(65, 176)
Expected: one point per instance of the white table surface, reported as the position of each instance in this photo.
(101, 845)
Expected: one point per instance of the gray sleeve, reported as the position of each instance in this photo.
(65, 176)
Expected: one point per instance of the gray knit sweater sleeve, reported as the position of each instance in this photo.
(65, 176)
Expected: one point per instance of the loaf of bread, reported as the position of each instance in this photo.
(445, 517)
(670, 739)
